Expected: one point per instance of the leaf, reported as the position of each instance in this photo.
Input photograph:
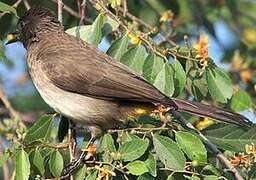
(212, 169)
(151, 164)
(3, 158)
(164, 80)
(118, 47)
(194, 178)
(145, 176)
(134, 58)
(137, 168)
(107, 145)
(219, 84)
(92, 176)
(63, 128)
(56, 163)
(231, 137)
(192, 146)
(211, 177)
(169, 152)
(152, 66)
(37, 160)
(22, 165)
(132, 150)
(196, 83)
(241, 101)
(92, 34)
(179, 77)
(81, 173)
(110, 25)
(6, 8)
(40, 131)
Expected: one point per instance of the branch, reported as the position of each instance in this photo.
(219, 155)
(60, 7)
(26, 4)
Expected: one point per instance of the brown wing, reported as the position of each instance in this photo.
(78, 67)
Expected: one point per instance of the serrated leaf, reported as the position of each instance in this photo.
(231, 137)
(134, 58)
(145, 176)
(241, 101)
(219, 84)
(92, 34)
(37, 160)
(56, 163)
(169, 152)
(40, 131)
(152, 66)
(7, 8)
(81, 173)
(151, 165)
(22, 165)
(192, 146)
(3, 159)
(107, 145)
(118, 47)
(63, 128)
(179, 77)
(164, 80)
(137, 168)
(132, 150)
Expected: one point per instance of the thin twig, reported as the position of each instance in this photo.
(12, 112)
(219, 155)
(26, 4)
(15, 5)
(60, 7)
(82, 12)
(68, 9)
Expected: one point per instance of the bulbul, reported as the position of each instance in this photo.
(88, 86)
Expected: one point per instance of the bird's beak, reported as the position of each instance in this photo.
(13, 37)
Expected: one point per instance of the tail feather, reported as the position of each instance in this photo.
(204, 110)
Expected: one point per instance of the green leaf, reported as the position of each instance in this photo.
(56, 163)
(192, 146)
(7, 8)
(92, 34)
(107, 145)
(81, 173)
(219, 84)
(179, 77)
(92, 175)
(151, 164)
(137, 168)
(169, 152)
(211, 177)
(231, 137)
(3, 158)
(40, 131)
(152, 66)
(164, 80)
(63, 128)
(37, 160)
(118, 47)
(145, 176)
(212, 169)
(134, 58)
(194, 178)
(132, 150)
(22, 165)
(241, 101)
(196, 83)
(110, 25)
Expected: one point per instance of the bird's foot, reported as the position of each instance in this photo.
(86, 154)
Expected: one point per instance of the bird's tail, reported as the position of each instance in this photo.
(204, 110)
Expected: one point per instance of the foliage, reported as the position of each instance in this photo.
(155, 147)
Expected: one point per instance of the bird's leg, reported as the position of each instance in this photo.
(72, 140)
(72, 166)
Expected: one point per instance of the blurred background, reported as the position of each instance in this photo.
(230, 26)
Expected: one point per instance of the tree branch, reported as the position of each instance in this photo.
(60, 7)
(219, 155)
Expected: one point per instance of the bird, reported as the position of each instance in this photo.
(88, 86)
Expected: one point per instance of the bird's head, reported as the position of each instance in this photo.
(33, 24)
